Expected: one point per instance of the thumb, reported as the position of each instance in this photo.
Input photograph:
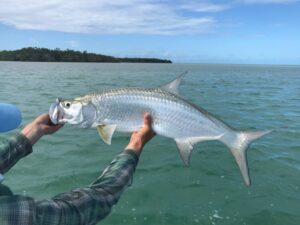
(147, 120)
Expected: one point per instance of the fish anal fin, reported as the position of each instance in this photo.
(185, 149)
(185, 146)
(173, 85)
(106, 132)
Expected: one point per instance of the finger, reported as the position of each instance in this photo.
(50, 123)
(43, 118)
(147, 120)
(51, 129)
(147, 128)
(57, 127)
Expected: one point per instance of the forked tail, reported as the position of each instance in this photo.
(238, 142)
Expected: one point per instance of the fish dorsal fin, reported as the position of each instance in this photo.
(174, 84)
(106, 132)
(185, 146)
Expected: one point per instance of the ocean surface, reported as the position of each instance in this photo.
(164, 191)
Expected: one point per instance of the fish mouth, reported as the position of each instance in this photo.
(54, 112)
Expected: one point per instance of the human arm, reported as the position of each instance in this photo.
(85, 205)
(91, 204)
(81, 206)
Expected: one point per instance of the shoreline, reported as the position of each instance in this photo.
(34, 54)
(173, 63)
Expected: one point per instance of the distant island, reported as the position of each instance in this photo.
(57, 55)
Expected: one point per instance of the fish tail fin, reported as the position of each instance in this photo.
(238, 144)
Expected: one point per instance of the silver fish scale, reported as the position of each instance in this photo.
(172, 116)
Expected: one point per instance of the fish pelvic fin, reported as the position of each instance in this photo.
(185, 146)
(173, 86)
(106, 132)
(238, 145)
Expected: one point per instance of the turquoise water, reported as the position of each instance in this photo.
(164, 191)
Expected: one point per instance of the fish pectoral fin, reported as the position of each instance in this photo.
(185, 149)
(106, 132)
(173, 86)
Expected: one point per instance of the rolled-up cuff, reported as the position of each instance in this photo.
(132, 154)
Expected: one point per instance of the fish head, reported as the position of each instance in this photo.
(74, 112)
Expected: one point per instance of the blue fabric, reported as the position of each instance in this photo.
(10, 117)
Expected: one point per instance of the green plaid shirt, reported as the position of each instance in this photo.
(81, 206)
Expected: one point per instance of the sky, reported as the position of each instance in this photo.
(184, 31)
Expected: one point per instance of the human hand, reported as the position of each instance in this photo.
(142, 136)
(38, 127)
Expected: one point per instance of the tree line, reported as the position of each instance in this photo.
(33, 54)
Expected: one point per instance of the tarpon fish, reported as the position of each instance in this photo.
(172, 116)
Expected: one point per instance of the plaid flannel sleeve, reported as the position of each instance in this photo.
(81, 206)
(90, 205)
(12, 150)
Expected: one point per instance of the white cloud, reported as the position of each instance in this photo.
(102, 16)
(206, 7)
(164, 17)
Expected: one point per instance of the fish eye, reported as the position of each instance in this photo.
(68, 104)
